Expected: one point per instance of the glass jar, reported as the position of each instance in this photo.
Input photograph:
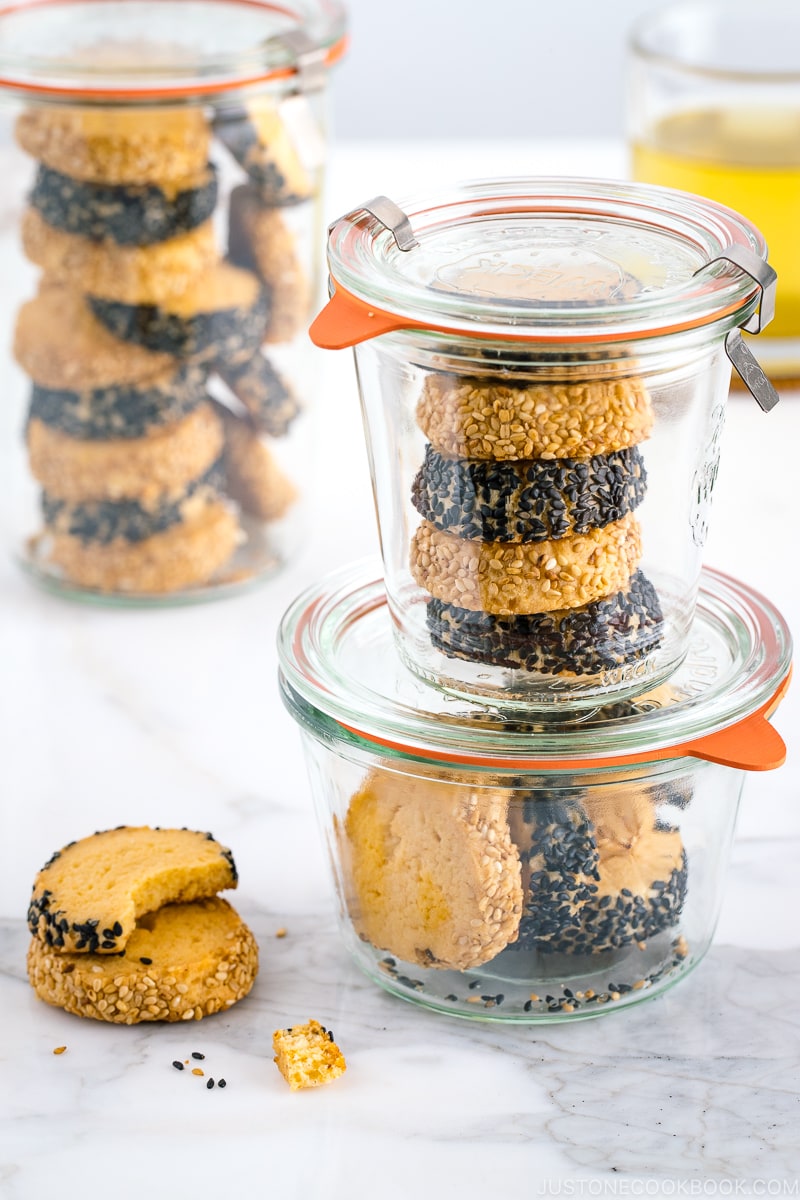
(509, 867)
(714, 108)
(543, 376)
(162, 168)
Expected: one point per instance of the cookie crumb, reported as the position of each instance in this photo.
(307, 1056)
(280, 933)
(59, 1049)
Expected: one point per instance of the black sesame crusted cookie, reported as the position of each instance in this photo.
(125, 410)
(597, 637)
(221, 318)
(259, 141)
(130, 215)
(89, 895)
(528, 500)
(271, 405)
(181, 962)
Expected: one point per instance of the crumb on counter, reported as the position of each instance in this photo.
(307, 1055)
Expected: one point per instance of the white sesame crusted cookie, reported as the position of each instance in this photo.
(260, 240)
(254, 479)
(90, 894)
(465, 417)
(181, 963)
(506, 579)
(431, 873)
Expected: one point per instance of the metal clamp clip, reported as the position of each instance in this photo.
(390, 215)
(744, 361)
(308, 59)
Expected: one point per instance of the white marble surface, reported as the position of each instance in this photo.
(172, 716)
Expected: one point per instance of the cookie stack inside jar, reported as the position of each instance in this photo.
(166, 344)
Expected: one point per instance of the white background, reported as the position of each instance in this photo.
(472, 69)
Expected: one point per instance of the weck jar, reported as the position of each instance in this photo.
(162, 168)
(520, 866)
(544, 366)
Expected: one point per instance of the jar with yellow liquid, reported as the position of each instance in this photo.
(714, 108)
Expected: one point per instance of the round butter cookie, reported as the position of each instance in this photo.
(528, 500)
(259, 141)
(118, 145)
(464, 417)
(181, 963)
(506, 579)
(62, 346)
(260, 240)
(222, 317)
(143, 469)
(89, 895)
(185, 555)
(130, 215)
(432, 875)
(270, 403)
(254, 479)
(154, 274)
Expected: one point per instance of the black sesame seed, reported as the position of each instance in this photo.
(222, 1083)
(210, 1084)
(196, 1054)
(178, 1065)
(147, 961)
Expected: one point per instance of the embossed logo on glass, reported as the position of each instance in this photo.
(704, 479)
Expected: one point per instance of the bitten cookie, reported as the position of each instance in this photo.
(600, 636)
(307, 1056)
(143, 469)
(485, 418)
(90, 894)
(221, 317)
(181, 963)
(506, 579)
(259, 239)
(528, 501)
(258, 140)
(271, 404)
(183, 556)
(118, 145)
(254, 479)
(154, 274)
(62, 346)
(130, 215)
(432, 875)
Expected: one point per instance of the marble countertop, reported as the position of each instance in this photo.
(173, 717)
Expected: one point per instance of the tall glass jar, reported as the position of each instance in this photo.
(161, 177)
(543, 374)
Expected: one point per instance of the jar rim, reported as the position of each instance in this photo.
(253, 50)
(673, 239)
(336, 653)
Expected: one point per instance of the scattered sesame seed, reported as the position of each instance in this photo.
(280, 933)
(210, 1084)
(198, 1071)
(59, 1049)
(196, 1054)
(178, 1065)
(222, 1083)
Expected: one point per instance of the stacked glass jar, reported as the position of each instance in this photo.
(529, 806)
(172, 169)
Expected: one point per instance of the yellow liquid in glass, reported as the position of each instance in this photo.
(748, 159)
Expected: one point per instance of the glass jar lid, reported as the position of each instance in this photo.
(338, 662)
(539, 259)
(162, 49)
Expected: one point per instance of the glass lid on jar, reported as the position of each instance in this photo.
(145, 48)
(338, 659)
(571, 259)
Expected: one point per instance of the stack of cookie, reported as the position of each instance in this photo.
(127, 926)
(529, 545)
(137, 313)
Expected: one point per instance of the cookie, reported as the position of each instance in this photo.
(130, 215)
(597, 637)
(307, 1056)
(101, 522)
(464, 417)
(62, 346)
(118, 145)
(526, 500)
(507, 579)
(123, 411)
(125, 468)
(154, 274)
(254, 479)
(270, 403)
(182, 962)
(260, 240)
(89, 895)
(257, 138)
(432, 875)
(221, 318)
(598, 872)
(183, 556)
